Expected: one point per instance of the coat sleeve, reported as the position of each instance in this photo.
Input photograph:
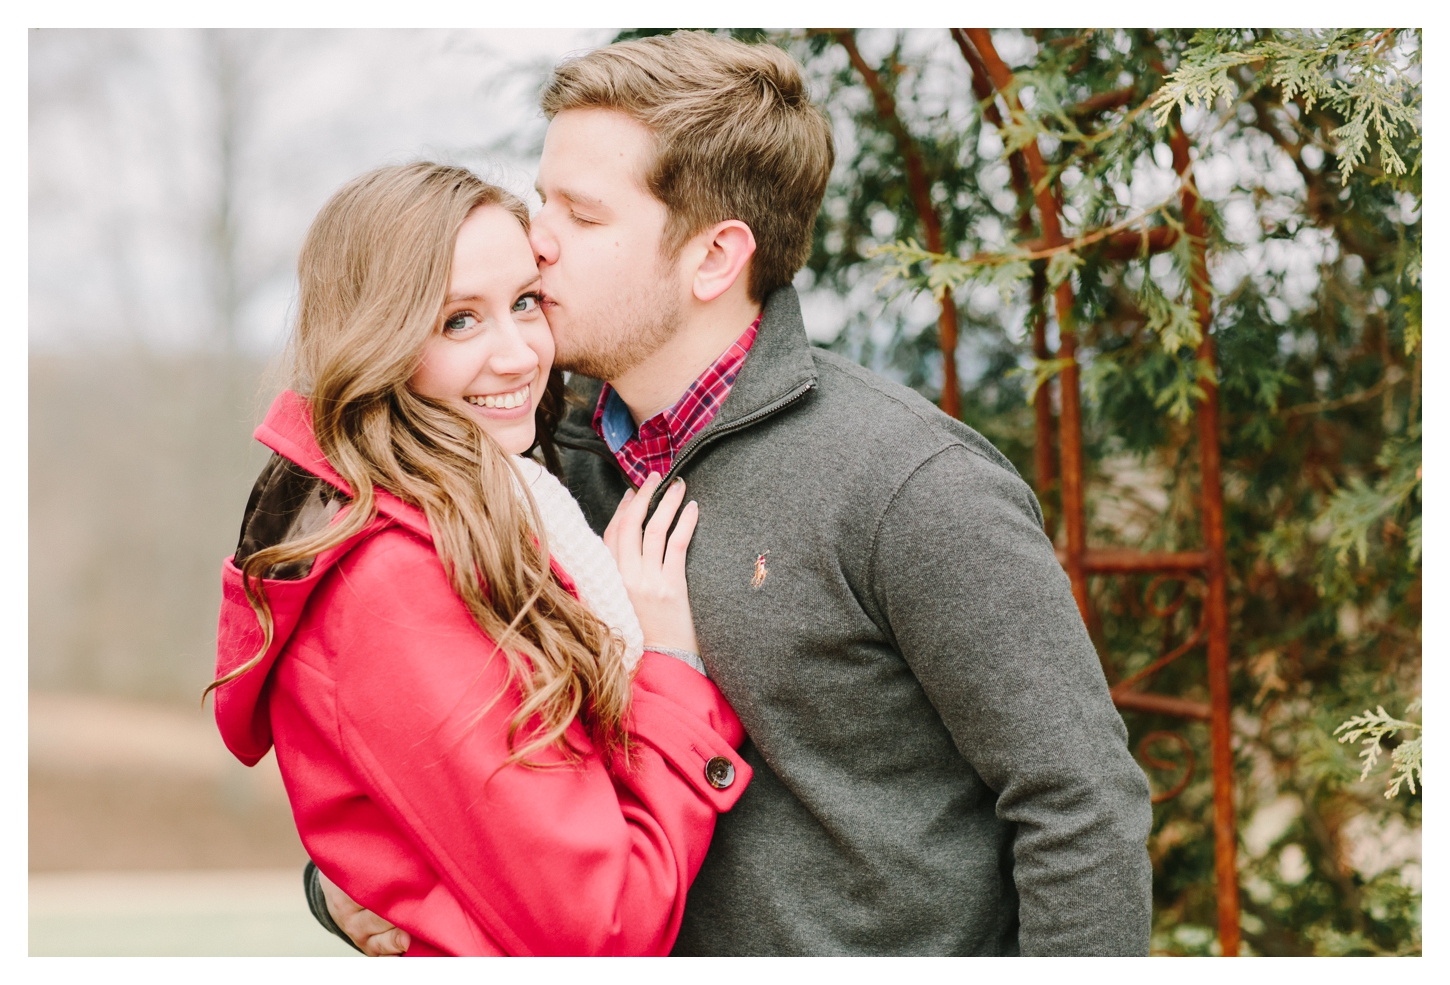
(1000, 649)
(572, 858)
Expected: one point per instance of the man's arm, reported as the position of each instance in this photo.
(1001, 650)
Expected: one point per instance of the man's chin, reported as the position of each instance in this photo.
(600, 365)
(589, 365)
(609, 358)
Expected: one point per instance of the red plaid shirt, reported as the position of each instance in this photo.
(653, 447)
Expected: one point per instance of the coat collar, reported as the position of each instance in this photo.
(287, 430)
(779, 363)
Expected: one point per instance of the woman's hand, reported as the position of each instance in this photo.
(653, 568)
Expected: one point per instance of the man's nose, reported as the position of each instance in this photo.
(545, 247)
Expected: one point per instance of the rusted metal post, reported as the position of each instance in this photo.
(976, 46)
(1042, 423)
(1069, 422)
(1220, 723)
(1042, 459)
(919, 185)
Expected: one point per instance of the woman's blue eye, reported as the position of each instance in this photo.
(460, 322)
(529, 302)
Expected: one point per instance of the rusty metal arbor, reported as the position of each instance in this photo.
(992, 78)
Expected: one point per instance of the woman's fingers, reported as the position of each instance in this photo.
(653, 546)
(674, 561)
(611, 532)
(651, 561)
(388, 944)
(631, 521)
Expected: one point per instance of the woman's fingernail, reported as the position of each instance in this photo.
(628, 495)
(678, 482)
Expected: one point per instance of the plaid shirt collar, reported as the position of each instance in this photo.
(652, 447)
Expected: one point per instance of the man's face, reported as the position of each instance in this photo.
(610, 298)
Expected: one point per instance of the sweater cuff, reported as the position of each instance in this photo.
(317, 903)
(689, 657)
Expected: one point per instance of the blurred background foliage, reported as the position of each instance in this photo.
(1306, 150)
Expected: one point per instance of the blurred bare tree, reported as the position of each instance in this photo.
(172, 177)
(173, 174)
(139, 450)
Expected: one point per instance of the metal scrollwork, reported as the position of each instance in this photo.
(1167, 764)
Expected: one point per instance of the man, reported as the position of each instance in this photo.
(938, 765)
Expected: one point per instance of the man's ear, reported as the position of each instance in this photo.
(728, 246)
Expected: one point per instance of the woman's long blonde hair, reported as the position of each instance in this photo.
(374, 273)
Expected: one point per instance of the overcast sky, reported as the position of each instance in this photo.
(126, 159)
(127, 178)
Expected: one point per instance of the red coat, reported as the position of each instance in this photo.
(369, 690)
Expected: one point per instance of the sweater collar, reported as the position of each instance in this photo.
(779, 363)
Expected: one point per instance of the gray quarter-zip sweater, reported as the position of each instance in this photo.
(939, 768)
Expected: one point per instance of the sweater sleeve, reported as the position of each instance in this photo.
(984, 615)
(568, 858)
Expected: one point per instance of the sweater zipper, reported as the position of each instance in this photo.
(702, 440)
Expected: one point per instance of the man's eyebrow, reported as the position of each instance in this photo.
(581, 198)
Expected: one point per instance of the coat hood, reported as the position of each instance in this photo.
(240, 705)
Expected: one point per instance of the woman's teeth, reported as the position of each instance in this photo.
(502, 401)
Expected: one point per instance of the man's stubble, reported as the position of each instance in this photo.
(614, 338)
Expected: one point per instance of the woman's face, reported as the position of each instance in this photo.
(491, 354)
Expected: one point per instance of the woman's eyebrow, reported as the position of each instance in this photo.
(522, 288)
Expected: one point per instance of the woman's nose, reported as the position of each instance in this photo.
(513, 356)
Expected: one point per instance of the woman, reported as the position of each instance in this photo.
(443, 654)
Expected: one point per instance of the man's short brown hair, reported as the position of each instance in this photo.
(737, 137)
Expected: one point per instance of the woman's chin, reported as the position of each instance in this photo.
(513, 428)
(514, 440)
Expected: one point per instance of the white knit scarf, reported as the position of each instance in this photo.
(581, 553)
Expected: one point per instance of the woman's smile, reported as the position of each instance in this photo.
(512, 404)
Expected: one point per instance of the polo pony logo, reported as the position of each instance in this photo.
(760, 572)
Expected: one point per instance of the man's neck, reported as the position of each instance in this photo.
(663, 378)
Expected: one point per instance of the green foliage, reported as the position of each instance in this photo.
(1411, 303)
(1174, 322)
(1316, 322)
(938, 273)
(1372, 728)
(1060, 266)
(1342, 68)
(1356, 510)
(1042, 371)
(1182, 393)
